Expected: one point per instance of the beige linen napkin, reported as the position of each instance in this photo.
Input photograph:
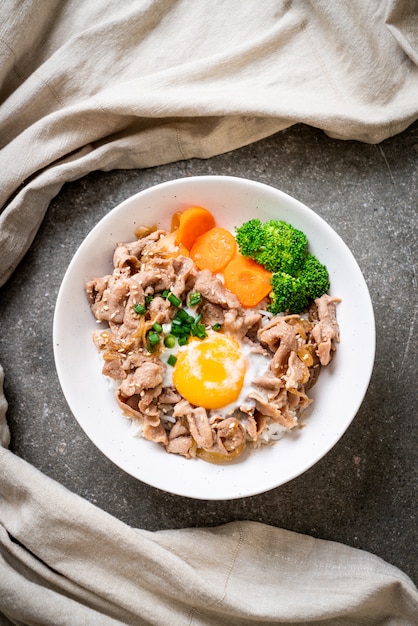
(88, 84)
(64, 561)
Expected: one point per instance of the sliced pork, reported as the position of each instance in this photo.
(132, 301)
(326, 331)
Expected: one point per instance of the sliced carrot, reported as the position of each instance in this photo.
(248, 280)
(214, 249)
(193, 222)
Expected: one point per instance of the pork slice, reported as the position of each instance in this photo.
(250, 425)
(212, 314)
(276, 409)
(167, 399)
(178, 430)
(199, 427)
(108, 297)
(314, 372)
(156, 275)
(114, 369)
(281, 338)
(143, 407)
(239, 322)
(231, 432)
(269, 382)
(297, 399)
(181, 408)
(96, 287)
(169, 396)
(185, 273)
(277, 332)
(326, 330)
(159, 310)
(297, 373)
(213, 290)
(148, 376)
(130, 321)
(127, 255)
(129, 405)
(147, 405)
(134, 359)
(182, 445)
(198, 423)
(155, 433)
(180, 441)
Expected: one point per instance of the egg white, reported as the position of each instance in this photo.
(257, 364)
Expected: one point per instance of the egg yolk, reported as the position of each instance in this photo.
(210, 372)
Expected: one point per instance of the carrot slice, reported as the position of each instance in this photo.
(214, 249)
(248, 280)
(193, 222)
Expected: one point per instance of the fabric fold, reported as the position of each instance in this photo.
(242, 572)
(137, 79)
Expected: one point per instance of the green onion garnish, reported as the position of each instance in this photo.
(169, 341)
(153, 338)
(199, 331)
(195, 298)
(217, 327)
(157, 327)
(173, 299)
(183, 317)
(140, 309)
(172, 359)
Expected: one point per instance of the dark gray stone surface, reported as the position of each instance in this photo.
(363, 493)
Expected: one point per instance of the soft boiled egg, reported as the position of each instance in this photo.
(216, 372)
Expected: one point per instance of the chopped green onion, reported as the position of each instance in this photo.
(183, 316)
(172, 359)
(169, 341)
(140, 309)
(182, 340)
(217, 327)
(195, 298)
(148, 299)
(153, 338)
(199, 331)
(198, 318)
(173, 299)
(157, 327)
(165, 293)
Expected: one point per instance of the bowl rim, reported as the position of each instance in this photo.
(174, 187)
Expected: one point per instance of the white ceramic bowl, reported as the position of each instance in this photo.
(337, 395)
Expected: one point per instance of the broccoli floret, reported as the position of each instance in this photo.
(293, 294)
(284, 292)
(275, 244)
(297, 276)
(250, 238)
(285, 247)
(314, 277)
